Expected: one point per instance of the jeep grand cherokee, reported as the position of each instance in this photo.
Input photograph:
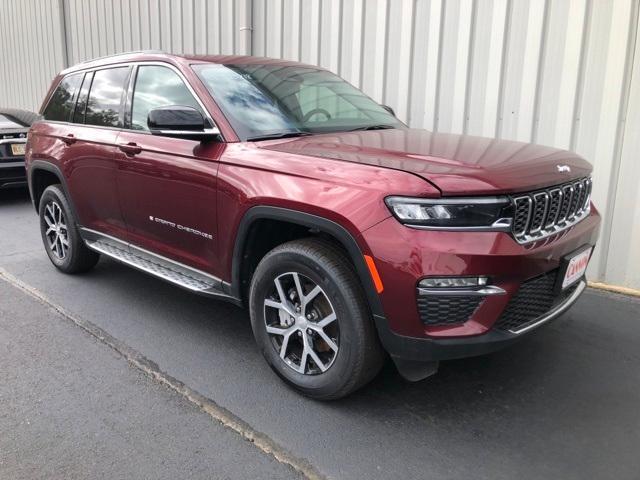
(279, 186)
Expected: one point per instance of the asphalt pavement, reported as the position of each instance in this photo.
(563, 403)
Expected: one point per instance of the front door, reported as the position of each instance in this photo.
(167, 186)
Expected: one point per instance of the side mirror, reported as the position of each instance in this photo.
(389, 109)
(180, 121)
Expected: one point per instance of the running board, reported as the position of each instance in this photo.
(156, 265)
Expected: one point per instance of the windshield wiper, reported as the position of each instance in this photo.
(273, 136)
(373, 127)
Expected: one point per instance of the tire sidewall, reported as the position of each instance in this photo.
(54, 193)
(339, 372)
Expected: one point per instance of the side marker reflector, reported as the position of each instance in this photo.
(375, 276)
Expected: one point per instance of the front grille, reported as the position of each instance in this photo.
(447, 310)
(533, 299)
(545, 212)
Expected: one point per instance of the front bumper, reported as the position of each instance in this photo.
(430, 349)
(12, 168)
(404, 256)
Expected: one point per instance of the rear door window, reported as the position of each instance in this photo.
(158, 86)
(105, 97)
(62, 101)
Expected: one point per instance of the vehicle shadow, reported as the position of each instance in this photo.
(558, 395)
(501, 382)
(14, 196)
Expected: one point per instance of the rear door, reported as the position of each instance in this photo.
(167, 186)
(85, 136)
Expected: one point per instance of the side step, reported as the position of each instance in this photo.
(156, 265)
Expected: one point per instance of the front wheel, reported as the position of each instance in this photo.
(311, 321)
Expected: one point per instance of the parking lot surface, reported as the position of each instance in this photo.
(563, 403)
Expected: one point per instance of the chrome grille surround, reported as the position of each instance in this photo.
(545, 212)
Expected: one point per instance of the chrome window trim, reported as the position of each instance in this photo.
(214, 131)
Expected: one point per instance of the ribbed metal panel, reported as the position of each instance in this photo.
(31, 40)
(555, 72)
(559, 72)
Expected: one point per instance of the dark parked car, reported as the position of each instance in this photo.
(279, 186)
(14, 125)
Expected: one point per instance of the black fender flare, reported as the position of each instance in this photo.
(313, 222)
(49, 167)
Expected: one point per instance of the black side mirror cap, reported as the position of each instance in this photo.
(176, 117)
(180, 121)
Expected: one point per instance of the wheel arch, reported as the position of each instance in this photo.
(39, 176)
(310, 222)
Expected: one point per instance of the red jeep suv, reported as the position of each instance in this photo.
(279, 186)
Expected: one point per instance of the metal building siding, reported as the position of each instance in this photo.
(29, 56)
(557, 72)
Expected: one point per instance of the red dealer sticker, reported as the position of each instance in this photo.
(576, 268)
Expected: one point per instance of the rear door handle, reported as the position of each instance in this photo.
(69, 139)
(130, 148)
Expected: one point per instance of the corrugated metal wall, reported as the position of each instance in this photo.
(31, 41)
(557, 72)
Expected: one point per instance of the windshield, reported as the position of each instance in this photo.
(270, 100)
(8, 123)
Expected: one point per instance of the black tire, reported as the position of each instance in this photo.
(77, 256)
(359, 356)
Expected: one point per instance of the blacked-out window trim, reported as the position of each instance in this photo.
(88, 77)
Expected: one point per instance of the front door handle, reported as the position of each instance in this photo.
(130, 148)
(69, 139)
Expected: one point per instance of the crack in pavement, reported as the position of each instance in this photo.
(225, 417)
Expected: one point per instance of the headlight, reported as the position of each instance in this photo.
(481, 213)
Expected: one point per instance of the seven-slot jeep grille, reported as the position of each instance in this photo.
(545, 212)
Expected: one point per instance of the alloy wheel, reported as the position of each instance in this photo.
(57, 234)
(302, 324)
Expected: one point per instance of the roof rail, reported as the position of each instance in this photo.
(121, 54)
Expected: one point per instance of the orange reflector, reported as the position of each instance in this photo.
(377, 281)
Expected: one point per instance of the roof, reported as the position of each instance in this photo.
(157, 55)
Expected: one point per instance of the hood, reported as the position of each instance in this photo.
(455, 164)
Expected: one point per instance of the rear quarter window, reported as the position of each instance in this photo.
(62, 101)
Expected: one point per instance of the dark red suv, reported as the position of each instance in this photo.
(279, 186)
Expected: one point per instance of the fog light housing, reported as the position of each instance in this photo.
(453, 282)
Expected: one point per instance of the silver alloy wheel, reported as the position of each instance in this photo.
(302, 324)
(57, 234)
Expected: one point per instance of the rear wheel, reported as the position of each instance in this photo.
(60, 234)
(311, 320)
